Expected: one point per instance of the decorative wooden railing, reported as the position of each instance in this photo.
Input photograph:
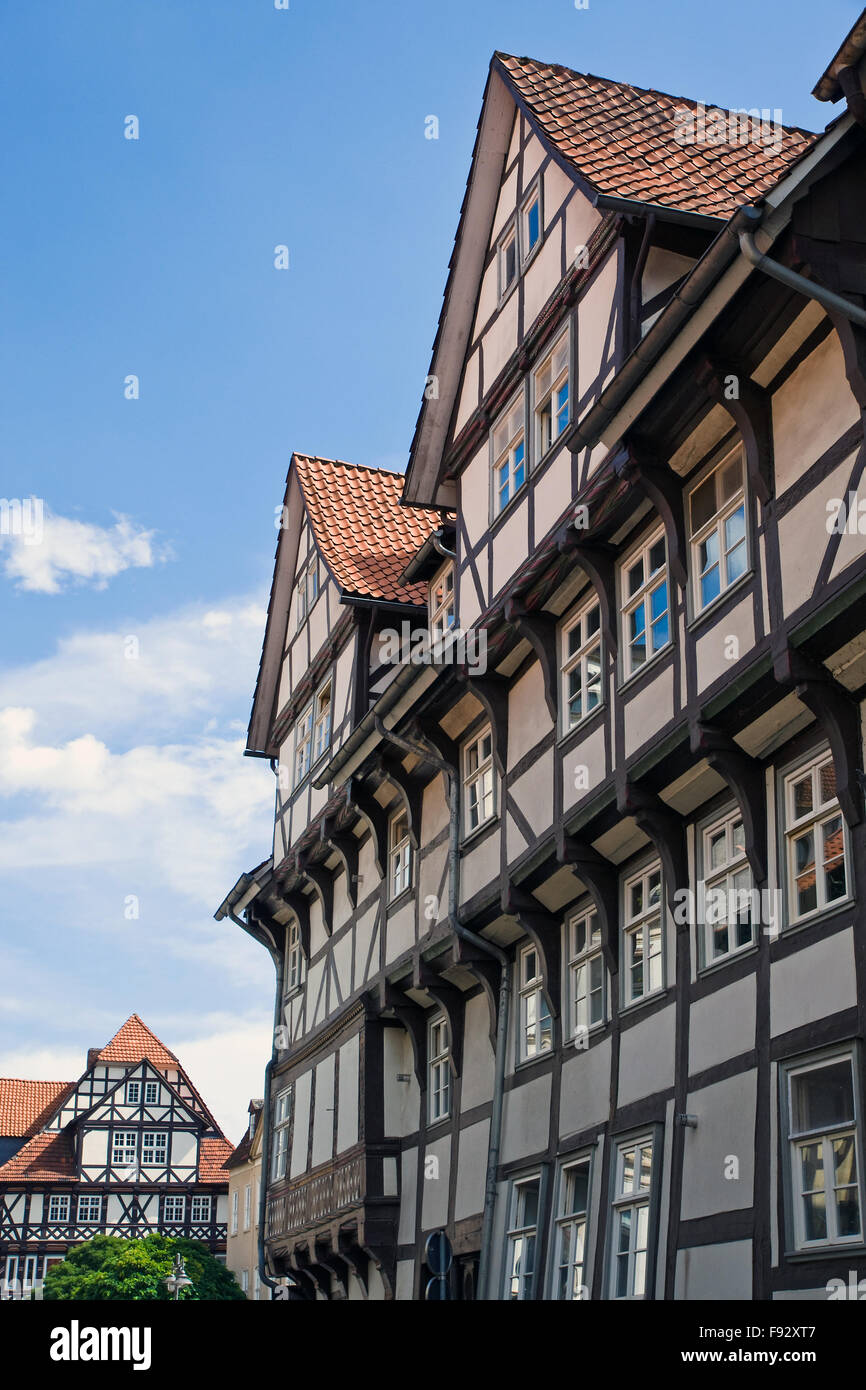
(318, 1196)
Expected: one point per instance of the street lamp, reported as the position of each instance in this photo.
(178, 1279)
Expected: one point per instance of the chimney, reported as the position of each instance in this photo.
(92, 1056)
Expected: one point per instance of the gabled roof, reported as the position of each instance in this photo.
(244, 1149)
(47, 1157)
(133, 1042)
(622, 140)
(25, 1106)
(214, 1154)
(364, 536)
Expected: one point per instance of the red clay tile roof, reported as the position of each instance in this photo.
(25, 1106)
(47, 1157)
(364, 536)
(213, 1160)
(135, 1041)
(622, 140)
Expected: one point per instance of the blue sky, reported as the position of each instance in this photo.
(123, 778)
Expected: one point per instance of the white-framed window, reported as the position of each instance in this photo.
(248, 1206)
(587, 976)
(643, 931)
(479, 781)
(442, 608)
(257, 1285)
(536, 1026)
(124, 1148)
(303, 743)
(815, 839)
(201, 1210)
(717, 530)
(308, 589)
(633, 1192)
(530, 222)
(399, 855)
(439, 1068)
(322, 722)
(58, 1208)
(550, 395)
(280, 1142)
(154, 1147)
(523, 1237)
(571, 1281)
(173, 1209)
(825, 1138)
(245, 1280)
(508, 447)
(294, 958)
(10, 1272)
(31, 1264)
(580, 667)
(234, 1218)
(645, 603)
(151, 1092)
(729, 921)
(89, 1211)
(507, 258)
(258, 1194)
(133, 1092)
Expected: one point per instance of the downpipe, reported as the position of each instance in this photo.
(494, 1142)
(832, 302)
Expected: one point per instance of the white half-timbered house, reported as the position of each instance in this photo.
(568, 921)
(127, 1150)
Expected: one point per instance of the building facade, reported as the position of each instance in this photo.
(245, 1170)
(566, 892)
(127, 1150)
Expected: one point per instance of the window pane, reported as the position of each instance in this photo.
(804, 859)
(703, 503)
(576, 1189)
(823, 1098)
(735, 528)
(593, 680)
(532, 223)
(637, 638)
(731, 479)
(657, 556)
(834, 859)
(635, 577)
(827, 783)
(717, 849)
(803, 796)
(736, 562)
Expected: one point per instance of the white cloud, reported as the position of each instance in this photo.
(57, 551)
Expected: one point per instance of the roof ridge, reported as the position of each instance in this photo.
(347, 463)
(38, 1081)
(643, 91)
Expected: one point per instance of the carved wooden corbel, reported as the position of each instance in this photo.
(492, 692)
(487, 972)
(356, 1258)
(451, 1001)
(664, 827)
(376, 817)
(298, 903)
(665, 491)
(539, 630)
(837, 716)
(745, 777)
(414, 1019)
(410, 789)
(599, 562)
(600, 877)
(545, 931)
(321, 879)
(345, 845)
(751, 412)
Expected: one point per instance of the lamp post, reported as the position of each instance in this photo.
(178, 1279)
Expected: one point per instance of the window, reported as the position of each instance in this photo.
(717, 520)
(235, 1212)
(303, 744)
(631, 1215)
(10, 1273)
(815, 836)
(479, 784)
(133, 1092)
(824, 1139)
(581, 665)
(645, 615)
(258, 1194)
(151, 1092)
(571, 1232)
(173, 1210)
(727, 909)
(530, 223)
(642, 934)
(322, 726)
(282, 1117)
(257, 1285)
(536, 1028)
(201, 1210)
(294, 957)
(399, 855)
(248, 1206)
(439, 1068)
(587, 977)
(123, 1148)
(58, 1209)
(509, 456)
(507, 258)
(89, 1211)
(442, 610)
(245, 1280)
(154, 1146)
(551, 397)
(522, 1238)
(308, 589)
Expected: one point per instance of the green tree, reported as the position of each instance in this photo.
(113, 1268)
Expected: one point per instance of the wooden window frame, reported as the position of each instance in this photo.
(590, 642)
(638, 1199)
(792, 1141)
(642, 597)
(723, 876)
(642, 921)
(715, 525)
(478, 778)
(813, 822)
(540, 403)
(514, 441)
(446, 605)
(531, 1000)
(439, 1068)
(583, 959)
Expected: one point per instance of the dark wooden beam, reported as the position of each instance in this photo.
(751, 410)
(345, 845)
(665, 829)
(601, 879)
(539, 629)
(665, 491)
(545, 931)
(745, 777)
(451, 1001)
(836, 714)
(376, 817)
(492, 692)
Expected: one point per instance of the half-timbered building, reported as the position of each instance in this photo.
(127, 1150)
(566, 903)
